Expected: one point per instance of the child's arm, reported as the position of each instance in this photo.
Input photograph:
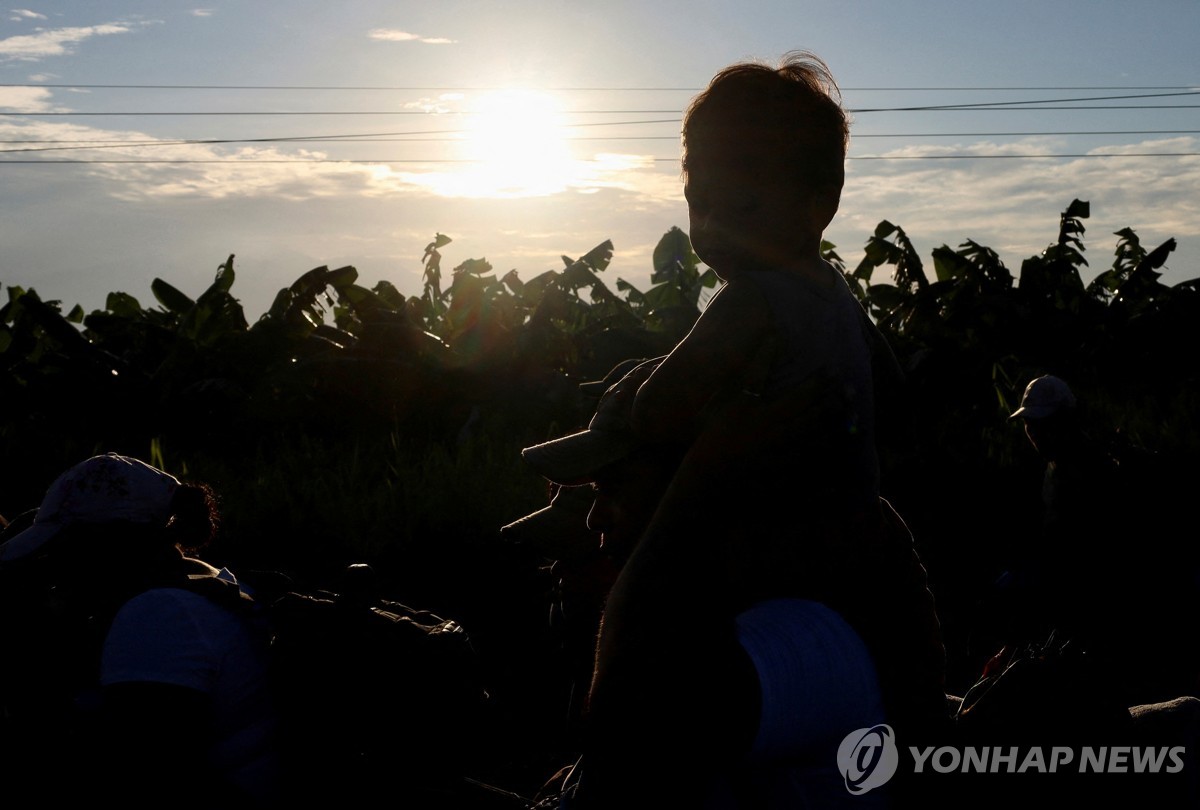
(713, 358)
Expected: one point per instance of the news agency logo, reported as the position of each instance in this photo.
(867, 758)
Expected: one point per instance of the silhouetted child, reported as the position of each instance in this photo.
(763, 167)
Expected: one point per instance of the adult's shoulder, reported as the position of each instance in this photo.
(175, 614)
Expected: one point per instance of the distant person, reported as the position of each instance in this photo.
(122, 682)
(1046, 579)
(1097, 571)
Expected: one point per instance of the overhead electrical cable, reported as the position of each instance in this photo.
(397, 137)
(411, 88)
(403, 161)
(977, 105)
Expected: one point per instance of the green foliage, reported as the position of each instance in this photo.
(377, 411)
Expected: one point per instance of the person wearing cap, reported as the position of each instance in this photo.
(1049, 413)
(162, 692)
(582, 570)
(1072, 552)
(1093, 570)
(581, 575)
(775, 678)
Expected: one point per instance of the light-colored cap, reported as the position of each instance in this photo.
(574, 459)
(558, 531)
(1044, 396)
(102, 489)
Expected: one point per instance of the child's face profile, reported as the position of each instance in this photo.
(751, 214)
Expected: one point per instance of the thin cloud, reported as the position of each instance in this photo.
(442, 104)
(243, 176)
(396, 35)
(201, 12)
(25, 99)
(19, 14)
(53, 42)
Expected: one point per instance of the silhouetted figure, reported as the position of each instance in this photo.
(122, 682)
(1098, 571)
(769, 404)
(754, 707)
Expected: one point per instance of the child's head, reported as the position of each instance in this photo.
(764, 153)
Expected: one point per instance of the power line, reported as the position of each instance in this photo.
(248, 161)
(310, 112)
(1043, 104)
(76, 144)
(1026, 134)
(411, 88)
(349, 138)
(975, 105)
(1025, 157)
(982, 107)
(1006, 109)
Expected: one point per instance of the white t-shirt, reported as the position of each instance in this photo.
(174, 636)
(818, 684)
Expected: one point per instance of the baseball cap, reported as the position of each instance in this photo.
(573, 459)
(558, 531)
(102, 489)
(1044, 396)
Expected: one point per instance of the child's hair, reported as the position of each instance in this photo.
(796, 104)
(195, 515)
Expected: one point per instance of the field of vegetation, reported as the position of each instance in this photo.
(353, 423)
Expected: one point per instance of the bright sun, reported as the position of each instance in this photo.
(516, 142)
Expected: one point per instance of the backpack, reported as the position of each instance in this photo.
(371, 693)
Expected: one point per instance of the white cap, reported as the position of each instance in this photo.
(1044, 396)
(101, 489)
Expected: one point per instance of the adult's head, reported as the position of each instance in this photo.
(764, 151)
(1049, 412)
(114, 513)
(626, 474)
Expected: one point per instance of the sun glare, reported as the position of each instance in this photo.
(516, 143)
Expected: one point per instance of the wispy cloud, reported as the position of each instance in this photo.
(201, 12)
(444, 103)
(19, 14)
(53, 42)
(25, 99)
(396, 35)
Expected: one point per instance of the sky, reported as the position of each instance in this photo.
(143, 140)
